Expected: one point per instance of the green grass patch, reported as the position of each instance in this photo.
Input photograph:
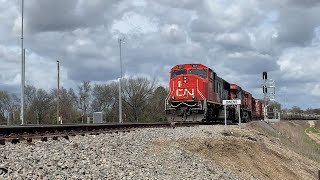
(313, 130)
(310, 141)
(311, 149)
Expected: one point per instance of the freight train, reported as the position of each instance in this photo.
(196, 93)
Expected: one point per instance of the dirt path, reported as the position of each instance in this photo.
(313, 136)
(311, 123)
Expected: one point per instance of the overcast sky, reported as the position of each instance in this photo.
(239, 39)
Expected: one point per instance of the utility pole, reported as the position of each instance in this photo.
(22, 70)
(58, 93)
(120, 101)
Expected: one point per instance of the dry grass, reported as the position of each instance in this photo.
(292, 134)
(252, 154)
(259, 151)
(317, 124)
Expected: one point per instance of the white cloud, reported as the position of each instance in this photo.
(173, 33)
(315, 90)
(133, 23)
(300, 63)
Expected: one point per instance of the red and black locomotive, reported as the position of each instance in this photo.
(196, 93)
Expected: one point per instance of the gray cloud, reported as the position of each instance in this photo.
(60, 15)
(250, 63)
(297, 25)
(305, 3)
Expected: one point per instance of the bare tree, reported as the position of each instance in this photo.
(72, 98)
(156, 104)
(38, 105)
(296, 109)
(6, 104)
(83, 99)
(136, 93)
(105, 99)
(102, 97)
(68, 105)
(30, 96)
(112, 112)
(41, 107)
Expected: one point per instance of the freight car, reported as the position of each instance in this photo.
(257, 109)
(196, 93)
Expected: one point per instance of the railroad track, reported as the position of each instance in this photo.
(16, 134)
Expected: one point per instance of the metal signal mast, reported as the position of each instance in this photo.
(269, 96)
(22, 69)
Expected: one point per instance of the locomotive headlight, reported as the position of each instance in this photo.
(172, 97)
(185, 79)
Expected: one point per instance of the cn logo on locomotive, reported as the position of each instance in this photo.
(184, 92)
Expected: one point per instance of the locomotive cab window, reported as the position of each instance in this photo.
(199, 72)
(211, 75)
(178, 72)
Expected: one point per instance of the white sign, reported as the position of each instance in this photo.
(231, 102)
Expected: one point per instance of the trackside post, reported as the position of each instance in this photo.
(225, 116)
(238, 107)
(231, 103)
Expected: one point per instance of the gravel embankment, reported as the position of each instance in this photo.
(142, 154)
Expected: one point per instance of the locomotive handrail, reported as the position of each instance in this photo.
(200, 92)
(205, 100)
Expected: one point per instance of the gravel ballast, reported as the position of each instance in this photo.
(142, 154)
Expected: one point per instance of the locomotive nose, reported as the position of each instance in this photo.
(186, 89)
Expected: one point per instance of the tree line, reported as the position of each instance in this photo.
(142, 101)
(298, 110)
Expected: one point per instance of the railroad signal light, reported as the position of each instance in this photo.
(265, 89)
(264, 75)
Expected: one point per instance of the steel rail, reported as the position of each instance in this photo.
(15, 134)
